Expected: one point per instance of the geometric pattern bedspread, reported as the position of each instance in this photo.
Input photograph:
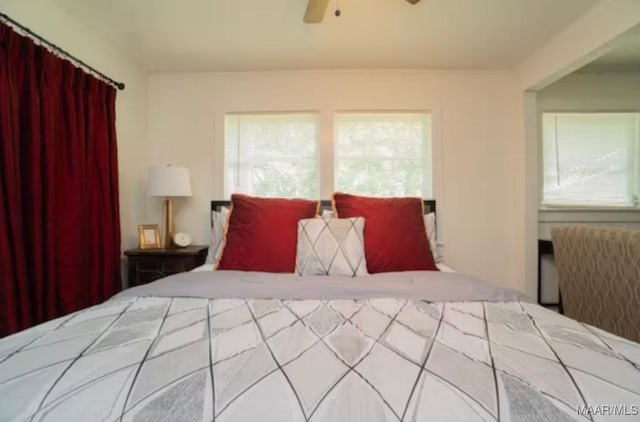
(173, 359)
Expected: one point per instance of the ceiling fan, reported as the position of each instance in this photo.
(317, 8)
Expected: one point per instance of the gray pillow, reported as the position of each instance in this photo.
(219, 222)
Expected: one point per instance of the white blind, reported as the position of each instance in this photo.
(590, 158)
(383, 154)
(272, 155)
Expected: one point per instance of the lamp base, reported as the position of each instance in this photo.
(167, 231)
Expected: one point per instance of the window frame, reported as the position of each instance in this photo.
(635, 181)
(233, 136)
(326, 131)
(425, 116)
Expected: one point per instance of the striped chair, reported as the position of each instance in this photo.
(599, 271)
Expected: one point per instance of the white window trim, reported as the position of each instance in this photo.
(543, 207)
(427, 160)
(231, 133)
(326, 130)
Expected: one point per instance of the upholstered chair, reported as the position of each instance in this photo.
(599, 271)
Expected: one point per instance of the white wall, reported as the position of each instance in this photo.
(586, 39)
(585, 92)
(590, 92)
(478, 146)
(54, 24)
(485, 133)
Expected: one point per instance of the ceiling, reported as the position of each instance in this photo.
(220, 35)
(623, 57)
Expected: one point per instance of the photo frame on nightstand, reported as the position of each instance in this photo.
(148, 236)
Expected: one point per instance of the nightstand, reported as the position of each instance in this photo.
(147, 265)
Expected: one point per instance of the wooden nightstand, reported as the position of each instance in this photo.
(147, 265)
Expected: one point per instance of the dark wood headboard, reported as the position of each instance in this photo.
(429, 205)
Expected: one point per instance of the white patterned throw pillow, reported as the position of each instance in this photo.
(331, 247)
(219, 220)
(430, 225)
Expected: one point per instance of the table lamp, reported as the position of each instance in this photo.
(169, 181)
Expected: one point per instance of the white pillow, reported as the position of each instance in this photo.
(331, 247)
(219, 222)
(430, 225)
(327, 214)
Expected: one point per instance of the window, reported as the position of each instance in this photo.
(272, 155)
(383, 154)
(590, 159)
(374, 153)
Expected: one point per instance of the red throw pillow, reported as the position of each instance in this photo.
(394, 232)
(262, 233)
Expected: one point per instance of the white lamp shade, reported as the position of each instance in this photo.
(169, 181)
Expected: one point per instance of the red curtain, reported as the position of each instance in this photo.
(59, 221)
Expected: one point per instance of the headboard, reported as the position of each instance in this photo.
(429, 205)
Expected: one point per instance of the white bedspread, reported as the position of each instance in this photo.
(408, 346)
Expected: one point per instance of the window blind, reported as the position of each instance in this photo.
(383, 154)
(590, 159)
(272, 155)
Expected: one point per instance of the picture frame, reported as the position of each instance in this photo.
(148, 236)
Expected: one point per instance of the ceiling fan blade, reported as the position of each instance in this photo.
(315, 11)
(413, 1)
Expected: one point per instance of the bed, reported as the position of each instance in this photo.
(255, 346)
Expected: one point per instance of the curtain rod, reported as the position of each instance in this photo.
(62, 52)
